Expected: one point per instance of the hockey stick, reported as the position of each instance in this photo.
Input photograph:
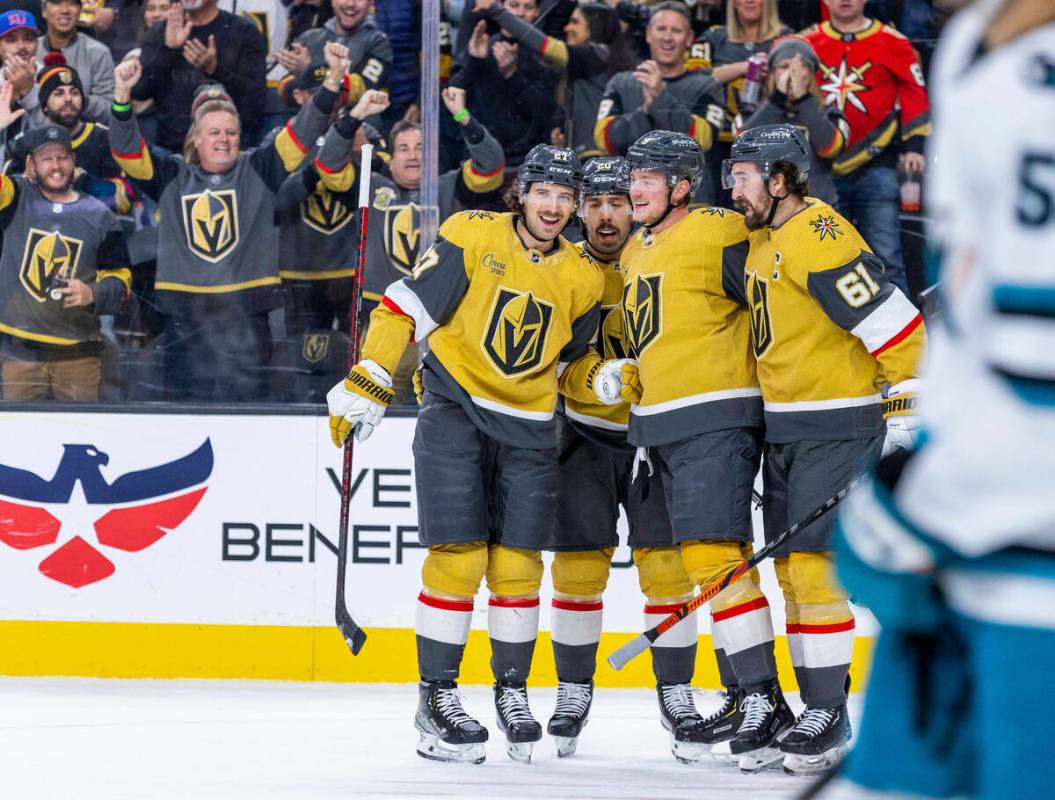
(354, 636)
(639, 644)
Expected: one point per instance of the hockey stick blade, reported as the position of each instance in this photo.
(354, 636)
(629, 651)
(623, 655)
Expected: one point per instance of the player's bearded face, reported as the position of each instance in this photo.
(750, 194)
(547, 209)
(53, 166)
(608, 218)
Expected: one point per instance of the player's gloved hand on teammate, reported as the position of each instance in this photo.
(359, 401)
(903, 427)
(419, 385)
(617, 381)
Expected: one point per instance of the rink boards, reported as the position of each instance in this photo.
(204, 545)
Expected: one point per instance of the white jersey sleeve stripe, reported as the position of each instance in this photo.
(406, 302)
(886, 323)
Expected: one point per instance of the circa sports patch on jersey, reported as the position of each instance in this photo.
(210, 222)
(48, 256)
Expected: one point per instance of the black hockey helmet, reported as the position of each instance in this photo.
(605, 175)
(677, 155)
(545, 163)
(766, 145)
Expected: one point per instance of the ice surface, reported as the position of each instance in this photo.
(66, 738)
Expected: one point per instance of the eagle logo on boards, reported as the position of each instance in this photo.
(48, 256)
(826, 226)
(129, 514)
(515, 339)
(322, 211)
(316, 346)
(642, 315)
(402, 236)
(210, 222)
(758, 303)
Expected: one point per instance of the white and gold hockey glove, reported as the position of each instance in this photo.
(899, 408)
(359, 401)
(617, 381)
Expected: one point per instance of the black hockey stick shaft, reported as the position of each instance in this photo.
(354, 636)
(639, 644)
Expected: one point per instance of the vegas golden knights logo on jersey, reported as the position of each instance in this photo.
(402, 233)
(761, 322)
(48, 256)
(324, 212)
(515, 340)
(642, 315)
(210, 222)
(315, 347)
(610, 343)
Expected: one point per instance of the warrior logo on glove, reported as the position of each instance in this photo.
(642, 313)
(516, 336)
(210, 221)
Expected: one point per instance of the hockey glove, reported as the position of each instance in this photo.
(359, 401)
(902, 424)
(419, 385)
(617, 381)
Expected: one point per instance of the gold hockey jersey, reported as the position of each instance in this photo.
(829, 329)
(684, 318)
(606, 424)
(502, 321)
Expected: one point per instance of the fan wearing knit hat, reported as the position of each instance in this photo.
(792, 97)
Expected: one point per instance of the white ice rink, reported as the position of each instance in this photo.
(81, 739)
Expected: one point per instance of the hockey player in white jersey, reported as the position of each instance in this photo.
(953, 545)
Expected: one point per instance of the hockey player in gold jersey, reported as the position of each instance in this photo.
(509, 309)
(829, 331)
(596, 464)
(699, 420)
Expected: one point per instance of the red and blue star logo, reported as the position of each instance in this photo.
(83, 514)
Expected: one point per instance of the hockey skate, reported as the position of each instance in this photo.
(818, 741)
(515, 721)
(570, 715)
(447, 732)
(679, 717)
(767, 718)
(720, 727)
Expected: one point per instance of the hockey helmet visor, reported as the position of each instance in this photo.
(766, 146)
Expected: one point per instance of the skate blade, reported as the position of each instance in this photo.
(688, 752)
(721, 754)
(435, 749)
(566, 745)
(796, 764)
(760, 759)
(520, 751)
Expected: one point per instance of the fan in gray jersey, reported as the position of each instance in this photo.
(218, 244)
(63, 262)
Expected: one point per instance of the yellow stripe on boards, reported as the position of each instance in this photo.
(272, 652)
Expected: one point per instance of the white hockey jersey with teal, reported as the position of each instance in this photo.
(983, 481)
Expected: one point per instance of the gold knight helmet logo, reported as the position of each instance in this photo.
(323, 212)
(611, 342)
(402, 235)
(642, 315)
(316, 345)
(515, 340)
(758, 303)
(48, 255)
(210, 222)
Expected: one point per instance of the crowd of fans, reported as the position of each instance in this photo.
(181, 179)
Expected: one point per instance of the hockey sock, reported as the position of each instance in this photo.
(673, 653)
(826, 651)
(795, 649)
(746, 633)
(575, 627)
(725, 669)
(442, 628)
(512, 623)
